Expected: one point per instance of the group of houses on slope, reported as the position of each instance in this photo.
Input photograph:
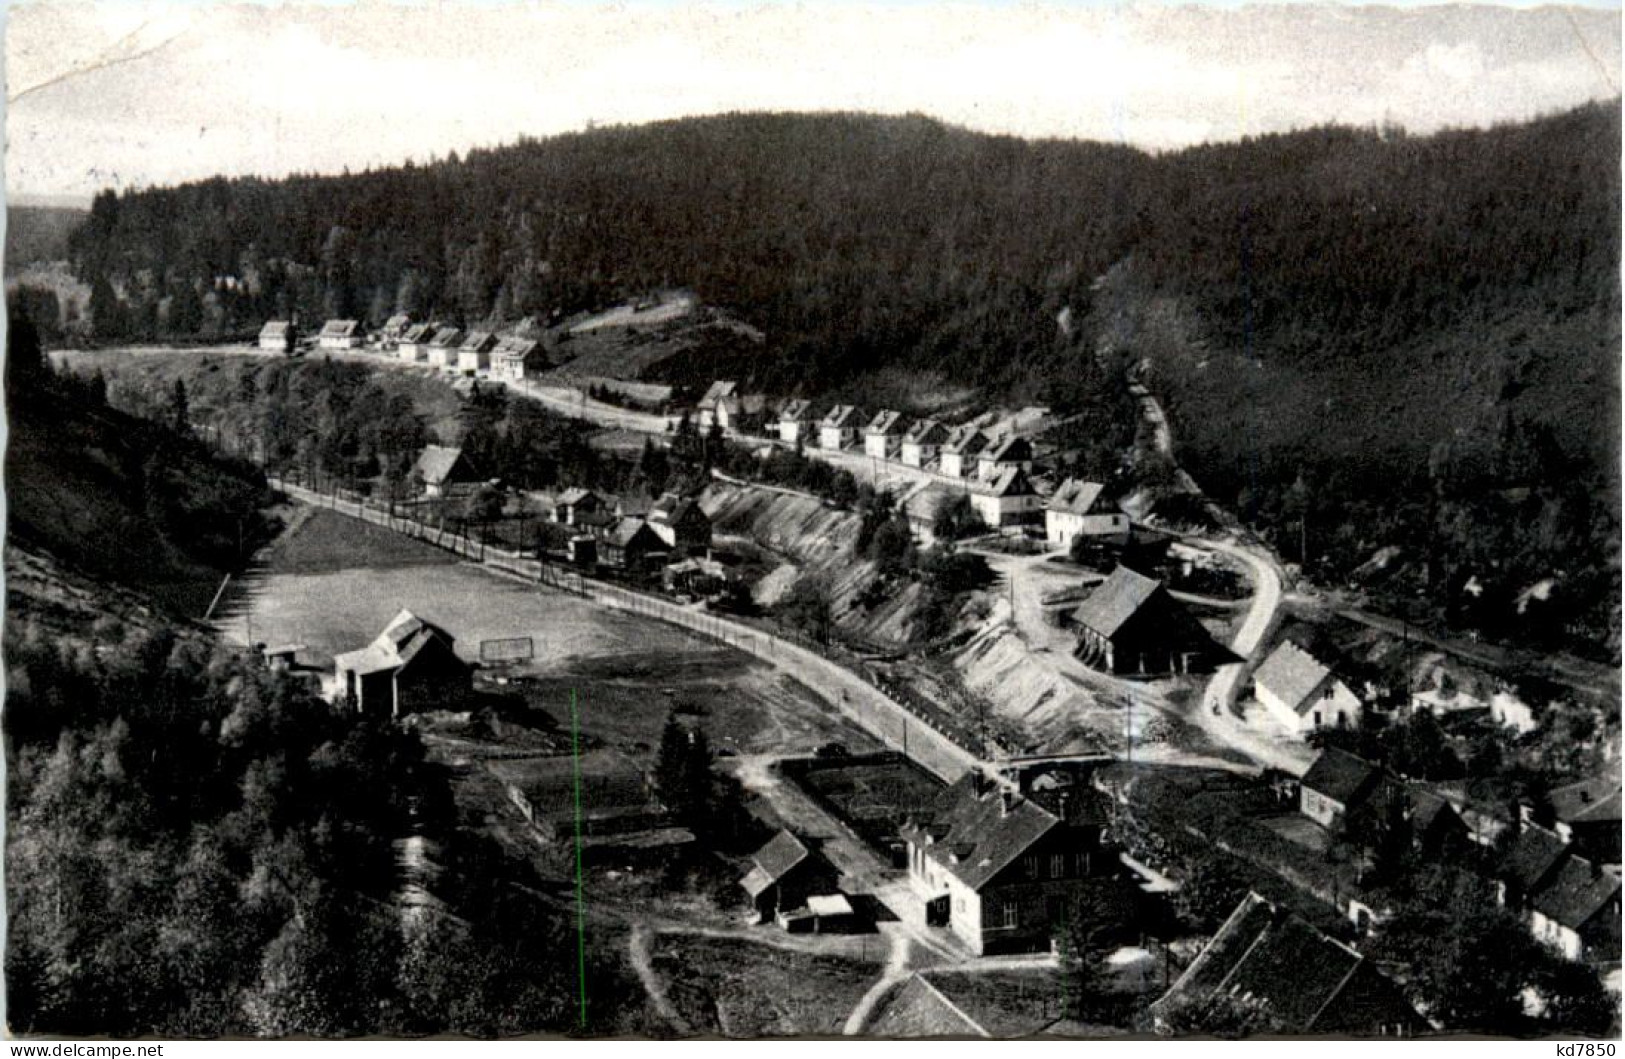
(512, 357)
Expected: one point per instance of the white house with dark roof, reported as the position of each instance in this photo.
(413, 347)
(517, 359)
(922, 441)
(1302, 693)
(394, 328)
(341, 334)
(997, 869)
(719, 404)
(1081, 509)
(884, 434)
(475, 352)
(1003, 454)
(959, 451)
(785, 876)
(443, 347)
(1008, 500)
(840, 427)
(444, 471)
(797, 420)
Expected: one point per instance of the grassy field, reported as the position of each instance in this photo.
(738, 988)
(318, 541)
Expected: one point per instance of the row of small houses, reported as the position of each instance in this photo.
(512, 357)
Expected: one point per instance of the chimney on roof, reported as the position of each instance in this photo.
(1585, 796)
(1008, 797)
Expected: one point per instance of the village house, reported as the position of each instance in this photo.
(579, 507)
(1529, 862)
(1130, 624)
(341, 334)
(922, 441)
(884, 434)
(1300, 980)
(1510, 711)
(719, 404)
(1586, 815)
(630, 544)
(784, 875)
(998, 870)
(278, 336)
(796, 422)
(1081, 509)
(959, 451)
(517, 359)
(411, 666)
(414, 344)
(1001, 455)
(474, 354)
(444, 472)
(681, 523)
(394, 328)
(1577, 912)
(1009, 500)
(1337, 782)
(443, 347)
(839, 428)
(698, 577)
(1302, 694)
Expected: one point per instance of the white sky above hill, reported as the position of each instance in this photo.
(127, 94)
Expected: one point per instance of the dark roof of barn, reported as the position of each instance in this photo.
(1533, 854)
(1115, 601)
(782, 852)
(437, 462)
(1594, 800)
(1339, 775)
(1576, 893)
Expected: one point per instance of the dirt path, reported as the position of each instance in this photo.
(898, 968)
(638, 951)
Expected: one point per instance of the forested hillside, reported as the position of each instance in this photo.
(1366, 339)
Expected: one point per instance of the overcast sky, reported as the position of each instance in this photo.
(126, 94)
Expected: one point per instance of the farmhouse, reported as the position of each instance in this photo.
(1587, 816)
(796, 421)
(278, 336)
(1530, 861)
(959, 451)
(719, 404)
(681, 523)
(1302, 693)
(443, 347)
(922, 441)
(1130, 624)
(411, 666)
(839, 428)
(414, 343)
(1009, 500)
(997, 869)
(1080, 509)
(784, 876)
(475, 352)
(517, 359)
(999, 456)
(444, 471)
(884, 434)
(1300, 980)
(341, 334)
(578, 507)
(630, 543)
(1337, 782)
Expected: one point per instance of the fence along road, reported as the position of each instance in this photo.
(876, 713)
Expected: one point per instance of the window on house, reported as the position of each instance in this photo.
(1029, 863)
(1057, 865)
(1317, 718)
(1007, 914)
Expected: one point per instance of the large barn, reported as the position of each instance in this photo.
(1131, 625)
(411, 666)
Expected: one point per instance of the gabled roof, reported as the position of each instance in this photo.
(340, 328)
(782, 852)
(1012, 481)
(842, 415)
(1276, 959)
(1576, 893)
(919, 1009)
(1010, 450)
(1340, 776)
(626, 529)
(1115, 601)
(401, 641)
(1532, 856)
(886, 422)
(479, 342)
(447, 336)
(926, 432)
(418, 333)
(972, 836)
(719, 390)
(397, 322)
(965, 440)
(275, 329)
(571, 497)
(797, 411)
(1594, 800)
(1428, 809)
(1078, 497)
(676, 509)
(1292, 675)
(438, 462)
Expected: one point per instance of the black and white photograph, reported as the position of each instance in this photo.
(880, 519)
